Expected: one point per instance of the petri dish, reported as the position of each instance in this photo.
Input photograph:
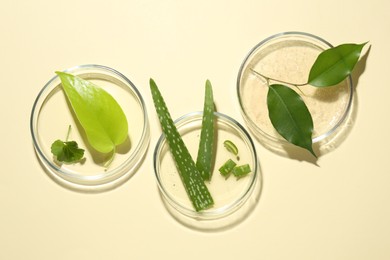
(51, 117)
(229, 194)
(288, 57)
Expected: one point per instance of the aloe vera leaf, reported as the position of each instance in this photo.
(290, 116)
(205, 151)
(101, 117)
(192, 180)
(333, 65)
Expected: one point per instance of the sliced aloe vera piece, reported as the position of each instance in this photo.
(231, 147)
(205, 151)
(241, 170)
(227, 168)
(192, 180)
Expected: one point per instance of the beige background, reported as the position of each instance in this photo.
(338, 209)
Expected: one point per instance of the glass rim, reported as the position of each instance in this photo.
(211, 214)
(315, 140)
(71, 178)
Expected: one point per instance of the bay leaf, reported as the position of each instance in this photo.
(335, 64)
(290, 116)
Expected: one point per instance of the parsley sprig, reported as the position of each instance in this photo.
(67, 151)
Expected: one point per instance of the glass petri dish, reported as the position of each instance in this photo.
(288, 57)
(229, 194)
(51, 116)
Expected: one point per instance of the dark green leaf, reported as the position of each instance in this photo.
(290, 116)
(333, 65)
(67, 152)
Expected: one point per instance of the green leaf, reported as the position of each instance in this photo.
(205, 150)
(290, 116)
(67, 152)
(333, 65)
(99, 114)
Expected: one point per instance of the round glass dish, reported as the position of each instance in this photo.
(51, 116)
(288, 57)
(229, 194)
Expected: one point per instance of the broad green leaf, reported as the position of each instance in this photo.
(333, 65)
(290, 116)
(99, 114)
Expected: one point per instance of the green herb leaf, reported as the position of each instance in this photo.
(67, 152)
(290, 116)
(99, 114)
(192, 180)
(334, 65)
(205, 151)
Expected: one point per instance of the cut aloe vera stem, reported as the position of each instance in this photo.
(231, 147)
(205, 151)
(241, 171)
(192, 180)
(227, 168)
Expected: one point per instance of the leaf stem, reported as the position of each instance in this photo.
(278, 80)
(68, 134)
(109, 161)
